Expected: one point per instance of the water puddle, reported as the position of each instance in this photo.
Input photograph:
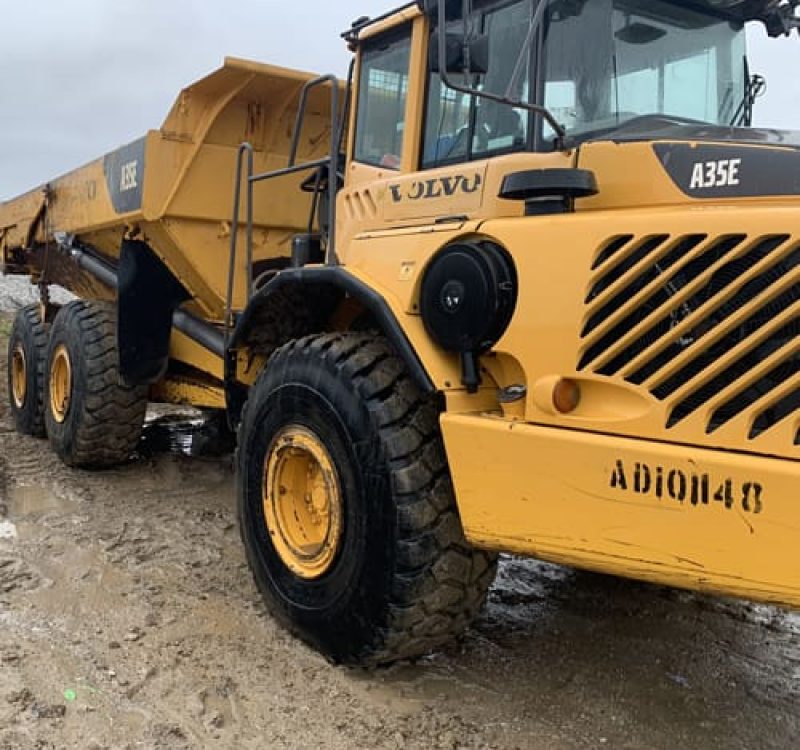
(31, 500)
(25, 505)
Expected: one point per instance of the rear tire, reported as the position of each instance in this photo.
(27, 356)
(92, 419)
(394, 578)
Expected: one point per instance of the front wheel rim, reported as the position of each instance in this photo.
(302, 502)
(60, 384)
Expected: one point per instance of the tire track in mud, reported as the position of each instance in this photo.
(27, 460)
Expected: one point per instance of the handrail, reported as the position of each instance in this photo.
(244, 148)
(332, 163)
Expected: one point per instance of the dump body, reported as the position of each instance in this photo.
(173, 187)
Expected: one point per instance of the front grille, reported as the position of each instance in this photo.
(708, 325)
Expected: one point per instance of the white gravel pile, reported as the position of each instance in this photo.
(17, 291)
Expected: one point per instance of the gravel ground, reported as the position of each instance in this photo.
(17, 291)
(128, 619)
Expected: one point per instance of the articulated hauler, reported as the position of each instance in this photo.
(527, 281)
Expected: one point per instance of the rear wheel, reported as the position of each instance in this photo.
(27, 354)
(92, 419)
(346, 506)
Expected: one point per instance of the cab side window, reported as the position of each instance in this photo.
(460, 127)
(382, 95)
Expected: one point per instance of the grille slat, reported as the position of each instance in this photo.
(635, 285)
(612, 247)
(759, 384)
(686, 290)
(730, 312)
(709, 324)
(753, 333)
(639, 252)
(776, 413)
(704, 325)
(694, 396)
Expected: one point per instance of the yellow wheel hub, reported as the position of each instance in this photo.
(302, 502)
(19, 375)
(60, 383)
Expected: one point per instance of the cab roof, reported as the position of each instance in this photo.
(777, 15)
(366, 26)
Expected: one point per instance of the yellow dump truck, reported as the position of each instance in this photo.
(527, 281)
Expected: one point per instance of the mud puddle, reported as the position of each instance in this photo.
(24, 507)
(24, 501)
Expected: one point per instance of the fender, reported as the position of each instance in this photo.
(312, 283)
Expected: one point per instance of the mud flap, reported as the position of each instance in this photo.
(148, 296)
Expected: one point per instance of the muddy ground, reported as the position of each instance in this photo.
(128, 619)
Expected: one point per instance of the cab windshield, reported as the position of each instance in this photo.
(607, 62)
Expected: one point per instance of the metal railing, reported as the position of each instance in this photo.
(331, 161)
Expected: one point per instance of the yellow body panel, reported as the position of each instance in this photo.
(177, 390)
(545, 333)
(630, 175)
(184, 349)
(579, 498)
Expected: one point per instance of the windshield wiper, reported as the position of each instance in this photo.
(743, 117)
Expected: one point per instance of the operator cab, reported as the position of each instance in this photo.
(529, 76)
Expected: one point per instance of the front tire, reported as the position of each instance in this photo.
(27, 355)
(92, 419)
(346, 506)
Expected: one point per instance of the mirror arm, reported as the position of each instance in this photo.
(447, 81)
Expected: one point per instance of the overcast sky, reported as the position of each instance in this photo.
(81, 77)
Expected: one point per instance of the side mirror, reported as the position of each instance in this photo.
(457, 52)
(479, 54)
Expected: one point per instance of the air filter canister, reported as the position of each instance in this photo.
(468, 296)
